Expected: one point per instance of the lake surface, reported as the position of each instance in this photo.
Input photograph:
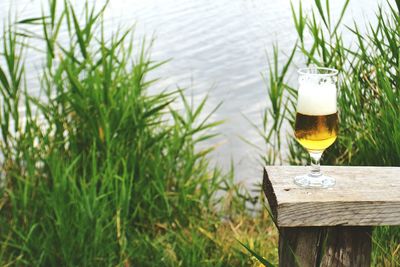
(218, 48)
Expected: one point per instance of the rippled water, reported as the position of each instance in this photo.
(218, 48)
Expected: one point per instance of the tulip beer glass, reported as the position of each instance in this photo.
(316, 125)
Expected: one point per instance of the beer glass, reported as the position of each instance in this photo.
(316, 125)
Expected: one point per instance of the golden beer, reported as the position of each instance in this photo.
(316, 126)
(316, 133)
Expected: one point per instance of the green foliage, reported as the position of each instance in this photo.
(98, 172)
(257, 256)
(368, 99)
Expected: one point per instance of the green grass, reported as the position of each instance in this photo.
(368, 100)
(98, 172)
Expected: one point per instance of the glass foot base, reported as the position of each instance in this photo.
(321, 181)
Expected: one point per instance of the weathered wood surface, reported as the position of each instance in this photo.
(362, 196)
(300, 246)
(347, 246)
(335, 246)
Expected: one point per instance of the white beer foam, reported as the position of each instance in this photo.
(316, 100)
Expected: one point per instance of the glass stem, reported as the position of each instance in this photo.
(315, 166)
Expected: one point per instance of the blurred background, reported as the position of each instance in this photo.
(216, 48)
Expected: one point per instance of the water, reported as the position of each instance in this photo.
(218, 48)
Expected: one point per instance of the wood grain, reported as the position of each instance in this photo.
(300, 246)
(332, 246)
(347, 246)
(362, 196)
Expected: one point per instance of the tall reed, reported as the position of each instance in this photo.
(98, 171)
(368, 98)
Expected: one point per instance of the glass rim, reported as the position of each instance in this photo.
(318, 71)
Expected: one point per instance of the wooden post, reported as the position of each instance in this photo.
(325, 246)
(331, 227)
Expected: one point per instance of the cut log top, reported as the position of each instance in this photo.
(362, 196)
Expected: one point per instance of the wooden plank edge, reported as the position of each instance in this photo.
(270, 194)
